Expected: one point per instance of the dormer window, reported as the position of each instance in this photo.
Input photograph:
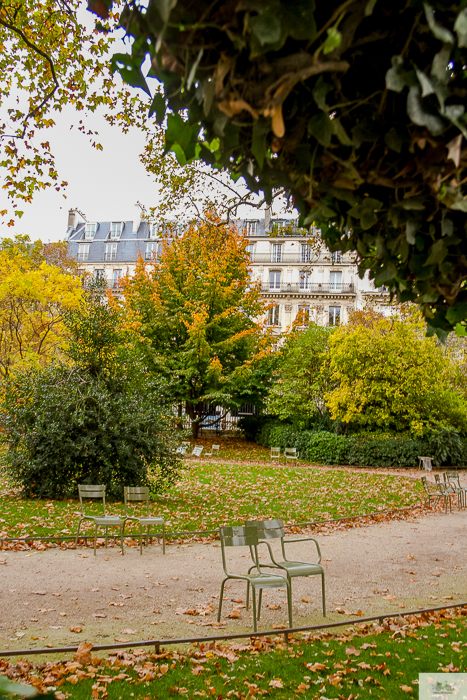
(116, 228)
(251, 228)
(153, 232)
(90, 231)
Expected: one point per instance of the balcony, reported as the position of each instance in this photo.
(310, 288)
(153, 255)
(284, 258)
(110, 256)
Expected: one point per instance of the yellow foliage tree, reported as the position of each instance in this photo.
(390, 376)
(196, 312)
(33, 296)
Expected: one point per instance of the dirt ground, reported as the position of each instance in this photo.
(374, 569)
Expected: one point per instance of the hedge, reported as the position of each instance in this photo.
(320, 447)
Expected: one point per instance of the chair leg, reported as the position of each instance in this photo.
(253, 600)
(106, 534)
(121, 537)
(260, 598)
(140, 539)
(248, 594)
(147, 537)
(77, 532)
(95, 538)
(163, 538)
(289, 602)
(323, 594)
(221, 597)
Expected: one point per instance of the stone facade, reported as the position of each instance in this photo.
(296, 271)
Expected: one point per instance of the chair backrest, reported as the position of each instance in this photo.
(267, 529)
(237, 536)
(136, 493)
(451, 476)
(290, 451)
(197, 451)
(181, 449)
(215, 448)
(91, 491)
(275, 451)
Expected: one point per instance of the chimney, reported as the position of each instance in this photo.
(72, 218)
(140, 215)
(267, 219)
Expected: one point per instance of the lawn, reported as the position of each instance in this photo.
(211, 494)
(356, 663)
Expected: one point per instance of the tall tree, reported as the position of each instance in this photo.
(34, 295)
(302, 376)
(356, 109)
(389, 376)
(196, 310)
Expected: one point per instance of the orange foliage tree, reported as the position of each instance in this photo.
(197, 313)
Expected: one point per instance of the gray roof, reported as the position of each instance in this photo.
(130, 244)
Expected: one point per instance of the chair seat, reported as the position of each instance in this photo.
(149, 520)
(300, 568)
(108, 520)
(266, 580)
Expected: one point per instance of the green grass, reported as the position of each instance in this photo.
(211, 494)
(349, 665)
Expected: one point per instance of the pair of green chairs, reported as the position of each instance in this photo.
(130, 494)
(256, 533)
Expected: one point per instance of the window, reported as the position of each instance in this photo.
(334, 315)
(275, 279)
(116, 277)
(152, 251)
(99, 275)
(153, 231)
(251, 228)
(304, 314)
(250, 250)
(273, 315)
(83, 252)
(336, 257)
(276, 252)
(111, 251)
(90, 232)
(116, 228)
(335, 282)
(305, 253)
(305, 279)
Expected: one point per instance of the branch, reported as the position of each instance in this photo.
(47, 58)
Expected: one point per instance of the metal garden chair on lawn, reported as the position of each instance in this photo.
(140, 494)
(215, 449)
(453, 478)
(104, 520)
(434, 491)
(291, 453)
(450, 488)
(276, 453)
(248, 537)
(274, 529)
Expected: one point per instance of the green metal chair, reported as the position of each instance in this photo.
(435, 491)
(276, 453)
(248, 537)
(291, 453)
(452, 487)
(453, 478)
(139, 494)
(274, 529)
(104, 520)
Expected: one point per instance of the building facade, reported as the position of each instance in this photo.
(298, 275)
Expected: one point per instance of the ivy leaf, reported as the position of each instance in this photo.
(396, 76)
(438, 31)
(320, 126)
(341, 133)
(438, 252)
(266, 27)
(158, 107)
(460, 27)
(425, 83)
(457, 312)
(419, 115)
(333, 40)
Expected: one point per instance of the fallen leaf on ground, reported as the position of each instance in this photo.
(76, 629)
(83, 653)
(276, 683)
(129, 631)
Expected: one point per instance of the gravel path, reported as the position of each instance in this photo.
(372, 569)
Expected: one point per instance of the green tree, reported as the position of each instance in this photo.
(389, 376)
(196, 313)
(98, 417)
(302, 376)
(289, 95)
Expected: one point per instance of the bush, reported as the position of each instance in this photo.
(369, 450)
